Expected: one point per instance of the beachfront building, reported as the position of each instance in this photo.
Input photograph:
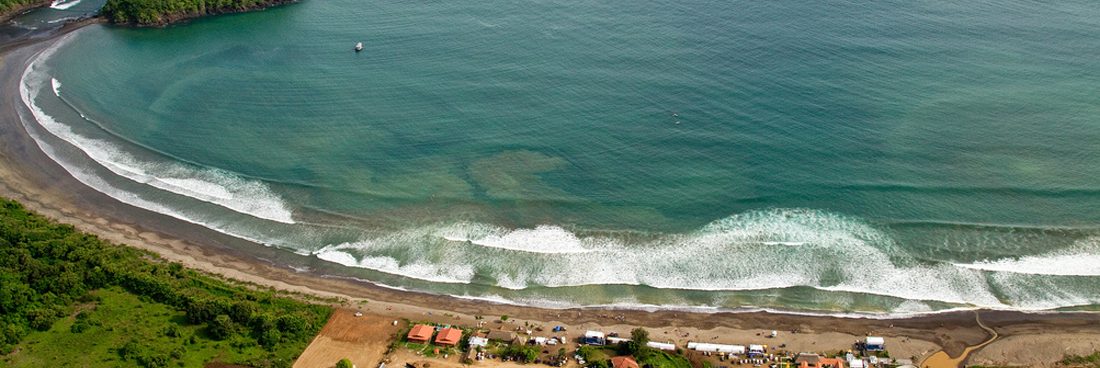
(806, 360)
(595, 338)
(421, 334)
(502, 336)
(448, 337)
(874, 343)
(716, 348)
(623, 362)
(756, 350)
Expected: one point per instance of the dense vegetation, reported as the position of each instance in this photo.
(8, 6)
(64, 293)
(160, 12)
(1091, 360)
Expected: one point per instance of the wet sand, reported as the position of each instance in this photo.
(30, 177)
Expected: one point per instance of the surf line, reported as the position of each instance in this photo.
(941, 360)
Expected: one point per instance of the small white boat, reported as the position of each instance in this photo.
(359, 47)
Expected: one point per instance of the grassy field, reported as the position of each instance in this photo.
(1089, 361)
(661, 359)
(116, 318)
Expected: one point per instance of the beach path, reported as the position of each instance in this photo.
(941, 360)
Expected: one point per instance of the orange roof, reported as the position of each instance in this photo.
(421, 333)
(448, 336)
(623, 362)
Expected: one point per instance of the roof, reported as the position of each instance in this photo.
(449, 336)
(478, 341)
(808, 358)
(756, 347)
(421, 333)
(872, 340)
(623, 362)
(594, 334)
(501, 335)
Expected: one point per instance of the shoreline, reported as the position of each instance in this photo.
(27, 175)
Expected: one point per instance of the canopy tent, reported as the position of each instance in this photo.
(716, 348)
(874, 343)
(661, 346)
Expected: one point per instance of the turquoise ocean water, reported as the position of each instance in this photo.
(872, 157)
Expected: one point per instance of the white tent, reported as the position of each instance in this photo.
(756, 350)
(856, 363)
(661, 346)
(478, 341)
(716, 348)
(874, 343)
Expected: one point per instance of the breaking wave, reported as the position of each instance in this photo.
(1081, 260)
(770, 249)
(211, 185)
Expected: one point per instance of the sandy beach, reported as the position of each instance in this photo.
(30, 177)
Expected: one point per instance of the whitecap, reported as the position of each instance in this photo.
(64, 5)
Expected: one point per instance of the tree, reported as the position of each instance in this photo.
(524, 353)
(344, 363)
(292, 325)
(221, 327)
(640, 336)
(270, 338)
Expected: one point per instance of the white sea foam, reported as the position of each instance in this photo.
(1073, 264)
(542, 239)
(56, 84)
(63, 5)
(343, 254)
(215, 186)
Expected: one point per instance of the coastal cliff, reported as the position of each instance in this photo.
(154, 13)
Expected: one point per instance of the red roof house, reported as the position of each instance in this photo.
(623, 362)
(449, 336)
(421, 334)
